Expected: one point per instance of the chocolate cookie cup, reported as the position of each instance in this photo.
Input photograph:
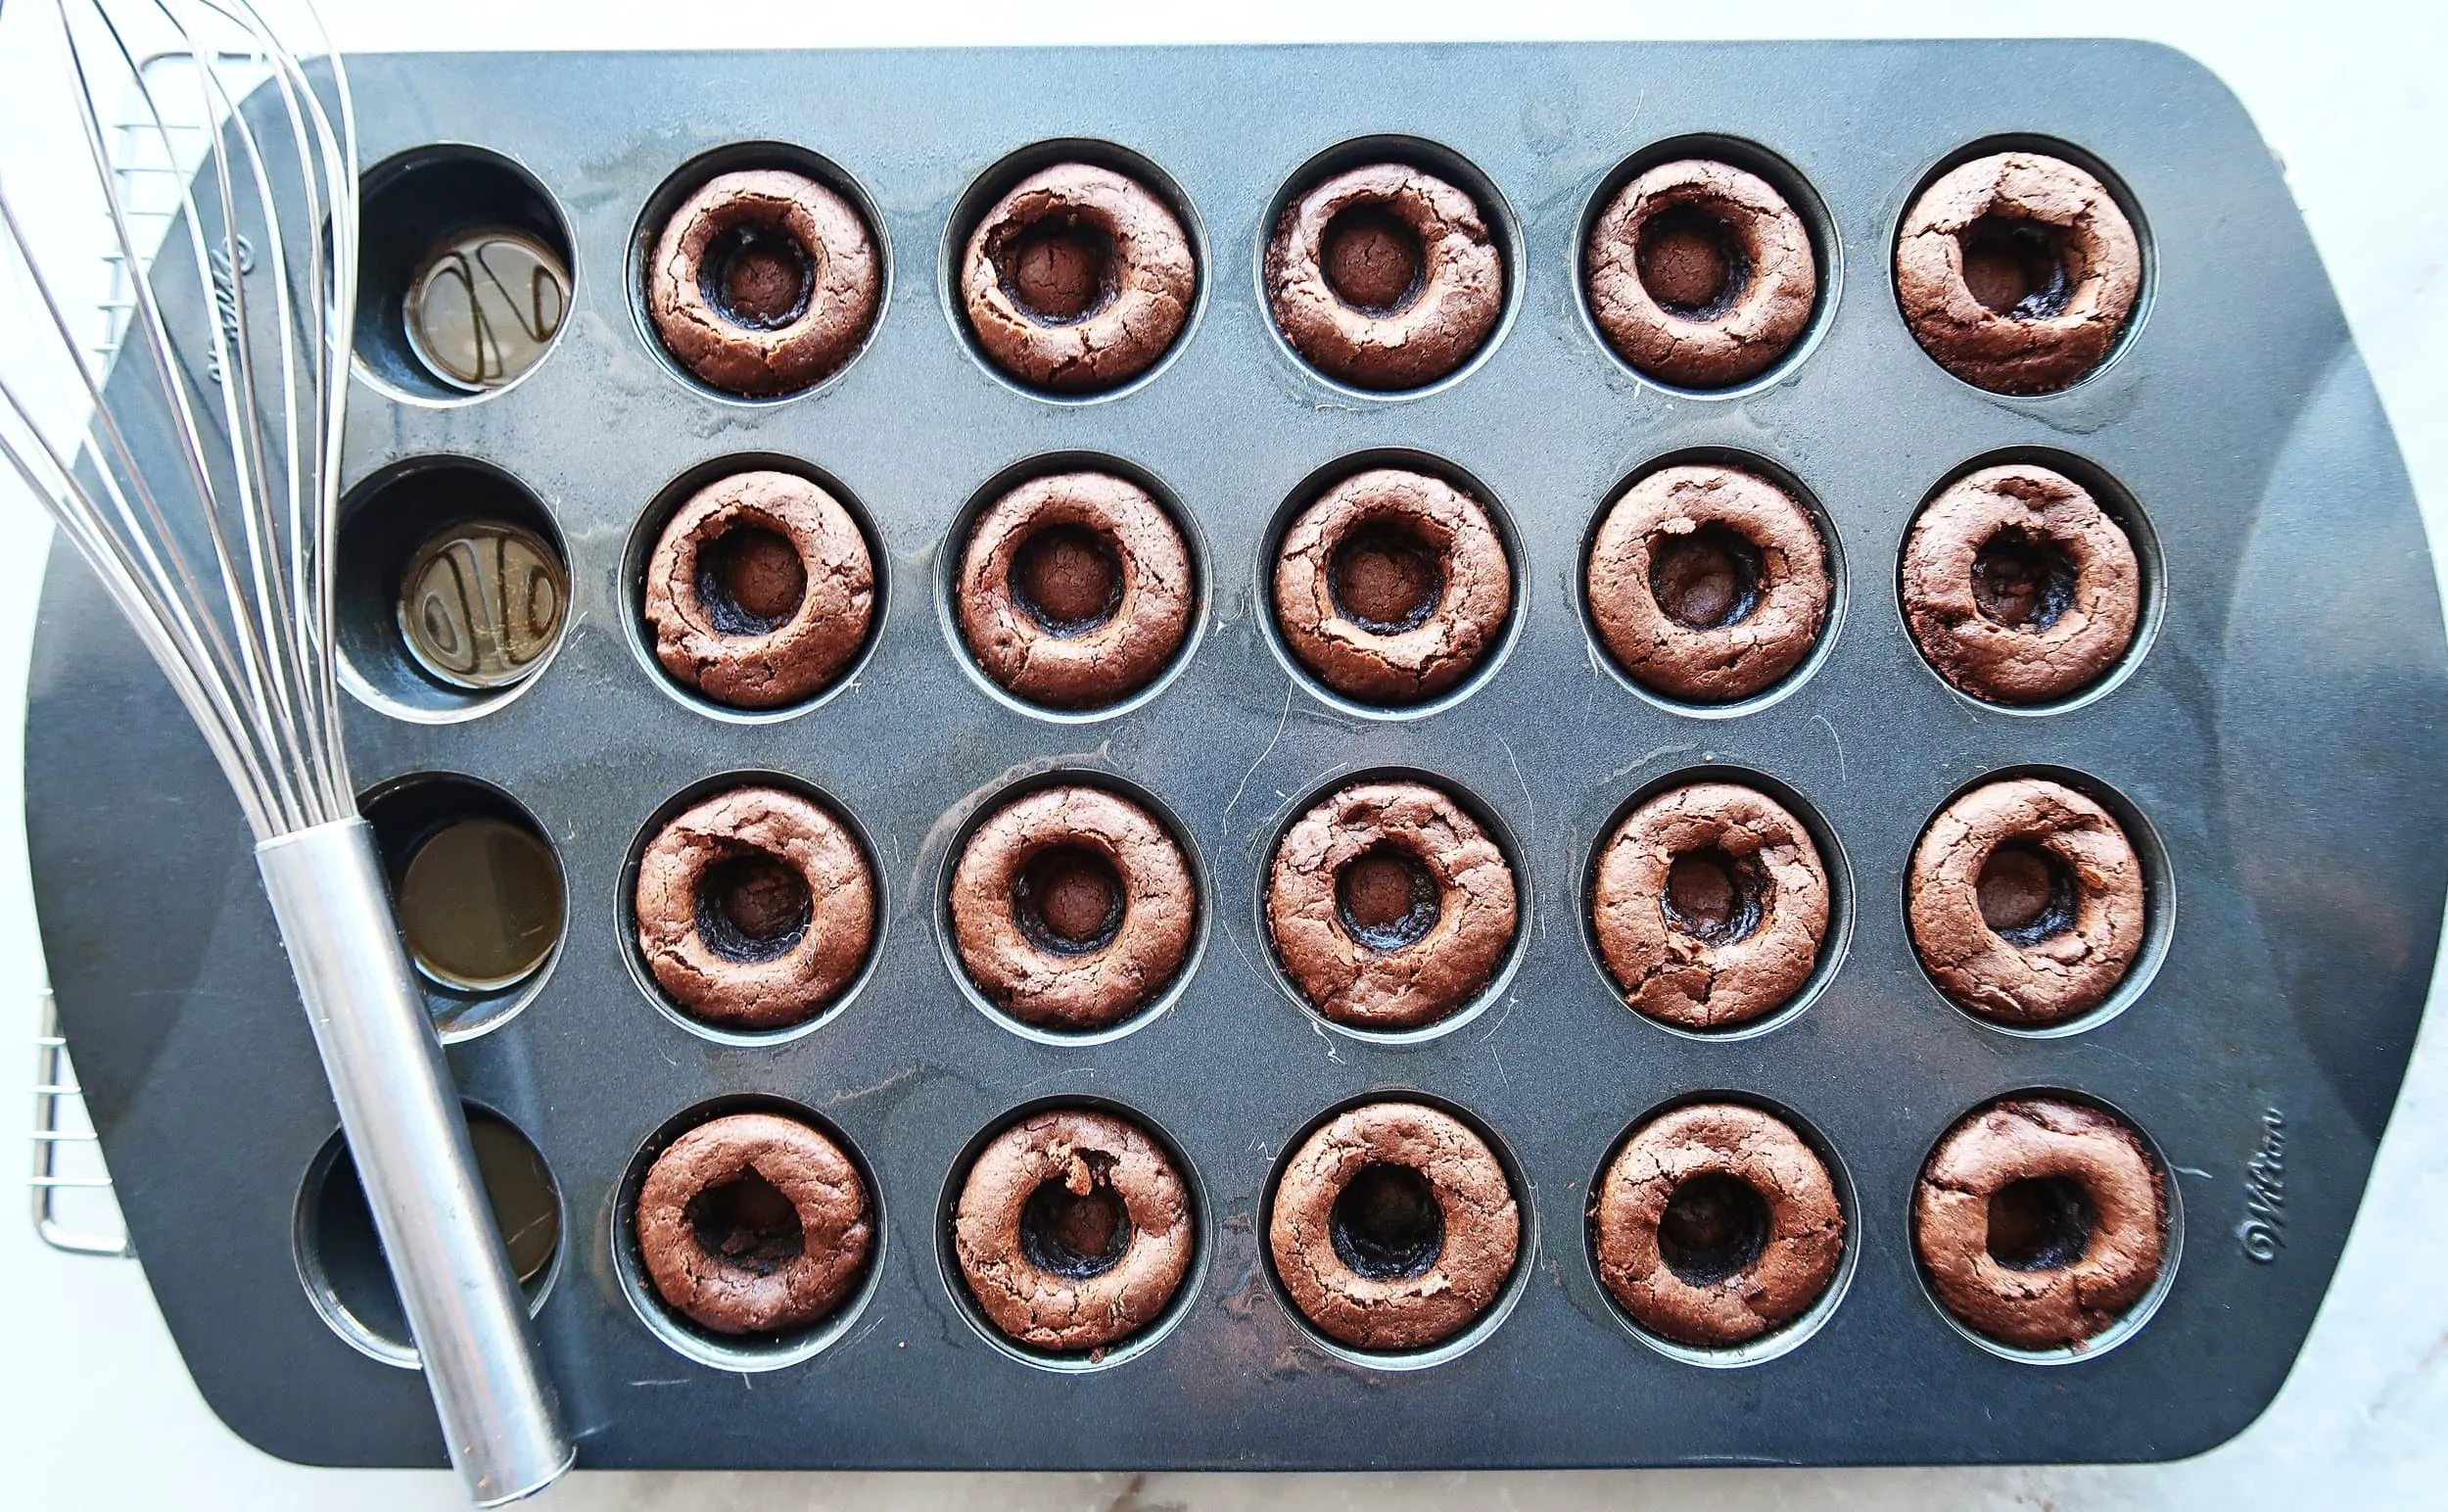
(1708, 583)
(1385, 275)
(764, 282)
(1710, 906)
(2018, 272)
(754, 1223)
(760, 590)
(1388, 906)
(1073, 1231)
(1072, 908)
(2019, 587)
(2041, 1223)
(756, 909)
(2026, 902)
(1078, 279)
(1700, 274)
(1075, 590)
(1394, 1227)
(1717, 1224)
(1393, 587)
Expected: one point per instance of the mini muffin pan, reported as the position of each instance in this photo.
(2268, 744)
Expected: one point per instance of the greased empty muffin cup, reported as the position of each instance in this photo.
(2018, 272)
(1700, 274)
(1710, 905)
(754, 1223)
(1078, 279)
(1393, 587)
(1073, 1231)
(1384, 276)
(1394, 1227)
(2019, 588)
(764, 282)
(1717, 1224)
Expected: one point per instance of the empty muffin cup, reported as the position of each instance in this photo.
(754, 1223)
(1078, 279)
(1700, 274)
(764, 282)
(1384, 276)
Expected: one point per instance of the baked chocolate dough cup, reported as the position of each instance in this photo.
(2018, 272)
(1073, 1231)
(764, 282)
(1385, 277)
(2017, 586)
(760, 590)
(756, 909)
(1710, 906)
(1072, 908)
(1717, 1224)
(1388, 906)
(1078, 279)
(1075, 590)
(754, 1223)
(1708, 583)
(2041, 1223)
(2026, 902)
(1394, 1227)
(1700, 274)
(1393, 587)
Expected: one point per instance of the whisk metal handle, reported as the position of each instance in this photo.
(409, 1140)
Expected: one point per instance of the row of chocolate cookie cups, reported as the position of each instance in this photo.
(1390, 266)
(1712, 584)
(1398, 1231)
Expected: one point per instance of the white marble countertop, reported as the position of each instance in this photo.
(96, 1408)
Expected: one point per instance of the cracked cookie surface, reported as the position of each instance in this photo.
(764, 282)
(753, 1224)
(1078, 279)
(1436, 318)
(1700, 273)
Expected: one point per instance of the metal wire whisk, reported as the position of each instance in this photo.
(200, 483)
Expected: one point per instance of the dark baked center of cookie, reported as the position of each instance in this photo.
(1059, 269)
(2021, 581)
(748, 1223)
(1706, 578)
(1715, 1226)
(1387, 1223)
(1690, 263)
(1076, 1233)
(1069, 899)
(1373, 261)
(1713, 897)
(2016, 268)
(1386, 579)
(2040, 1223)
(2026, 895)
(750, 580)
(758, 276)
(753, 908)
(1387, 899)
(1069, 579)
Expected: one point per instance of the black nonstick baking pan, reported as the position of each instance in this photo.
(2271, 746)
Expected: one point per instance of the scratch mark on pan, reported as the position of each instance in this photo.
(1281, 720)
(1529, 804)
(1333, 1052)
(1841, 774)
(1646, 757)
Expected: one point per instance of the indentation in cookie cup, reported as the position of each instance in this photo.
(1509, 1296)
(1776, 1341)
(624, 909)
(2118, 504)
(1499, 982)
(647, 532)
(1076, 1361)
(2135, 1317)
(1826, 250)
(1833, 944)
(998, 179)
(1313, 488)
(953, 546)
(1839, 583)
(737, 157)
(1504, 233)
(982, 804)
(2046, 146)
(2158, 902)
(739, 1354)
